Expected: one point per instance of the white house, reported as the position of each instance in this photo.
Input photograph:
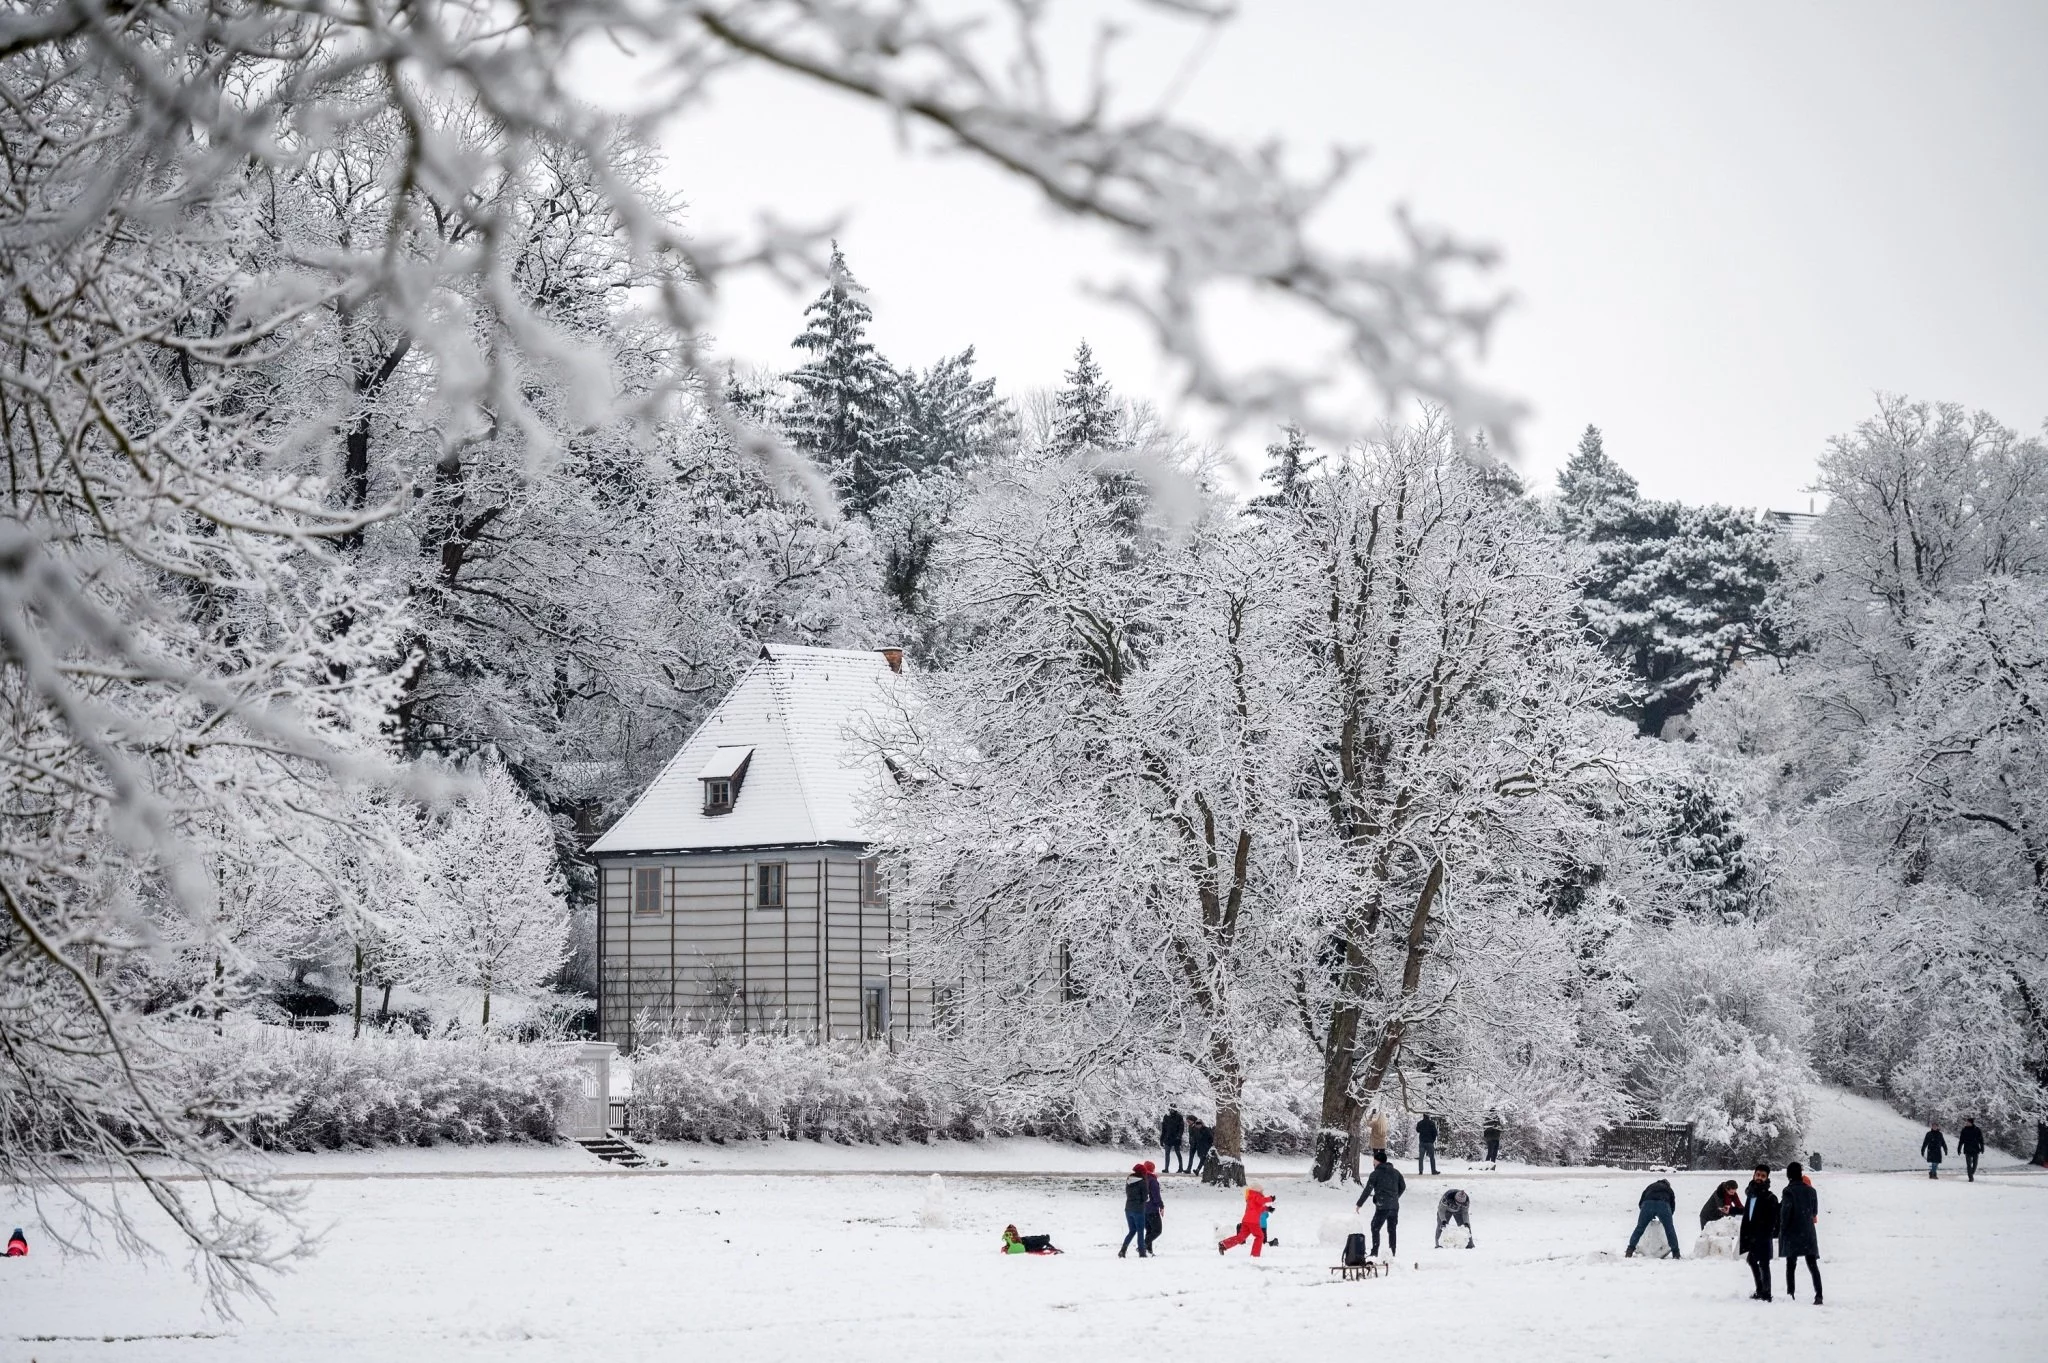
(738, 891)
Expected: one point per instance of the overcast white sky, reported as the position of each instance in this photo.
(1726, 225)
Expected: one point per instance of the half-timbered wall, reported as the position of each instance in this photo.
(711, 957)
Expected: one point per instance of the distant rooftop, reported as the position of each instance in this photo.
(784, 729)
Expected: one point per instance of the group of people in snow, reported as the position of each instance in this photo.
(1176, 1127)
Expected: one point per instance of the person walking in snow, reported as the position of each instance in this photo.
(1384, 1185)
(1252, 1225)
(1797, 1237)
(1425, 1144)
(1657, 1203)
(1491, 1131)
(1171, 1129)
(1201, 1140)
(1376, 1135)
(1134, 1213)
(1454, 1205)
(2040, 1155)
(1970, 1141)
(1933, 1148)
(1760, 1217)
(1155, 1208)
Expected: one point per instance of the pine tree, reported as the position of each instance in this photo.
(1590, 481)
(1677, 593)
(1088, 414)
(1291, 461)
(946, 417)
(843, 414)
(1497, 478)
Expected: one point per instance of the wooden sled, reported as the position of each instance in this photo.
(1352, 1273)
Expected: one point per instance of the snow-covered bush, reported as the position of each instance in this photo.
(724, 1087)
(309, 1090)
(1724, 1026)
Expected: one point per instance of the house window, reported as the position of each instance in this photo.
(647, 889)
(722, 775)
(770, 881)
(870, 881)
(874, 1011)
(718, 796)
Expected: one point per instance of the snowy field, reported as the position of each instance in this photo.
(471, 1255)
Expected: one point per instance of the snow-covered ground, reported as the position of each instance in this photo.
(788, 1251)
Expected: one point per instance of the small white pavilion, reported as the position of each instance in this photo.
(739, 891)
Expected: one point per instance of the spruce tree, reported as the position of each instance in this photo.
(946, 417)
(1088, 415)
(842, 415)
(1290, 462)
(1590, 481)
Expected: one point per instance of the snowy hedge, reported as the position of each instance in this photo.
(695, 1087)
(310, 1090)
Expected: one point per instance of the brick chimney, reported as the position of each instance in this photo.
(895, 657)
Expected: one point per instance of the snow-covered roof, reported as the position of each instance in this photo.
(807, 778)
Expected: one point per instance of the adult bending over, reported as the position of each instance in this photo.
(1657, 1203)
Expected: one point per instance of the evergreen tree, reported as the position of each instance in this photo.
(1678, 594)
(1291, 460)
(1089, 418)
(1496, 477)
(1590, 481)
(842, 415)
(946, 417)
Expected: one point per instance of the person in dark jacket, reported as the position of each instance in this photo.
(1933, 1146)
(1759, 1227)
(1155, 1207)
(1201, 1140)
(1726, 1201)
(1491, 1131)
(1425, 1144)
(1384, 1185)
(1455, 1205)
(1657, 1203)
(1171, 1129)
(1970, 1141)
(2040, 1155)
(1134, 1212)
(1797, 1237)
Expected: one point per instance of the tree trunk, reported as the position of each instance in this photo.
(357, 975)
(384, 1008)
(487, 1005)
(1339, 1122)
(1227, 1168)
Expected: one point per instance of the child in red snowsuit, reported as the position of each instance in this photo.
(1250, 1227)
(17, 1244)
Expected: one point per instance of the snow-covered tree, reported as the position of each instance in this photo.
(488, 918)
(843, 415)
(1290, 461)
(1090, 417)
(1101, 828)
(1459, 712)
(1678, 594)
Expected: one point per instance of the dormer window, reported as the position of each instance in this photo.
(722, 777)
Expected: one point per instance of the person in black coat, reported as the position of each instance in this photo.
(1491, 1132)
(1171, 1129)
(1384, 1185)
(1933, 1147)
(1797, 1238)
(1656, 1204)
(1760, 1215)
(1136, 1193)
(1970, 1141)
(1425, 1144)
(2040, 1155)
(1201, 1140)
